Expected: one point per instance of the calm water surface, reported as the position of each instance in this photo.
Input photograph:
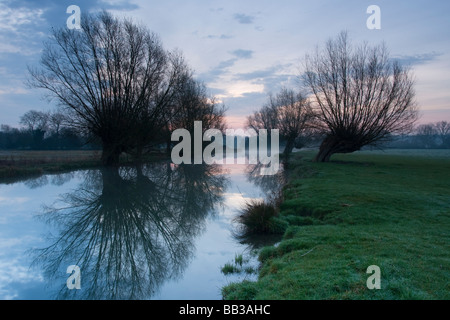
(151, 232)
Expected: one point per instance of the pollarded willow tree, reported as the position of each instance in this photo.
(113, 78)
(360, 95)
(288, 111)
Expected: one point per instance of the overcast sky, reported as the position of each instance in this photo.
(243, 50)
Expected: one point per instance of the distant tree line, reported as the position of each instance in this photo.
(425, 136)
(44, 131)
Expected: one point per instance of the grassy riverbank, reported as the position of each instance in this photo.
(369, 208)
(19, 164)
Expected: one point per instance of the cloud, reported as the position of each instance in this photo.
(246, 103)
(273, 78)
(224, 67)
(242, 54)
(243, 18)
(221, 37)
(231, 89)
(417, 59)
(11, 20)
(257, 74)
(19, 30)
(226, 64)
(218, 71)
(245, 92)
(120, 5)
(12, 90)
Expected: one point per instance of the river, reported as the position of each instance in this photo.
(153, 232)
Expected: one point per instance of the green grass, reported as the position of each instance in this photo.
(363, 209)
(229, 268)
(259, 217)
(238, 266)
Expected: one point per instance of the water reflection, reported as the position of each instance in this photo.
(41, 180)
(272, 186)
(129, 229)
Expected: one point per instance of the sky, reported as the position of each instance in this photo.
(242, 50)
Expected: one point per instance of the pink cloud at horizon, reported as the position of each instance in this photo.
(430, 116)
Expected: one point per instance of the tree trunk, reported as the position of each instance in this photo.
(332, 145)
(111, 154)
(111, 179)
(289, 147)
(169, 145)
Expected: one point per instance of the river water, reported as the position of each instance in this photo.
(150, 232)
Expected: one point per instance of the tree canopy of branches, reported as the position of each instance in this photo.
(114, 79)
(287, 111)
(192, 103)
(35, 120)
(361, 96)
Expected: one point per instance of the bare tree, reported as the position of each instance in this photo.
(294, 113)
(36, 123)
(443, 131)
(113, 78)
(193, 103)
(56, 121)
(361, 96)
(287, 111)
(35, 120)
(265, 118)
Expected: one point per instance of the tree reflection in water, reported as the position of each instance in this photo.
(129, 229)
(272, 185)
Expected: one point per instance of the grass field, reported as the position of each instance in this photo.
(15, 164)
(388, 209)
(24, 157)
